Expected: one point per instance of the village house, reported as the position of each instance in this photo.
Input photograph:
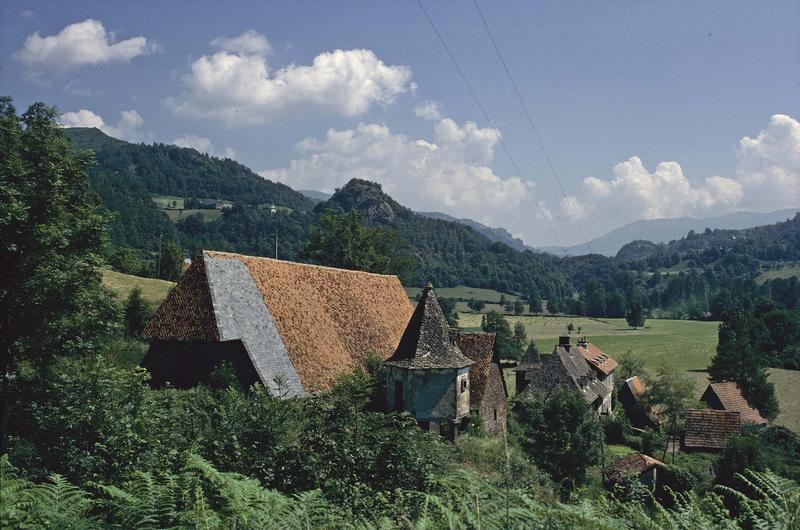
(290, 326)
(728, 396)
(630, 397)
(579, 366)
(488, 394)
(637, 466)
(603, 366)
(428, 375)
(710, 430)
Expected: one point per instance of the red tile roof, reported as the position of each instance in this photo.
(599, 360)
(710, 429)
(636, 385)
(732, 399)
(631, 465)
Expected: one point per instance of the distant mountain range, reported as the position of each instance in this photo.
(666, 230)
(316, 196)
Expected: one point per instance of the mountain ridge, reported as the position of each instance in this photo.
(669, 229)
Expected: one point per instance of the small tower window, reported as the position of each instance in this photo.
(495, 414)
(463, 385)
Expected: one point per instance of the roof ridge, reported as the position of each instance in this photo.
(234, 255)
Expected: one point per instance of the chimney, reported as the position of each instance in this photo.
(583, 343)
(564, 342)
(453, 335)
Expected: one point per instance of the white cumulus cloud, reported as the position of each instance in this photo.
(767, 177)
(127, 128)
(202, 144)
(80, 44)
(451, 172)
(769, 164)
(428, 110)
(250, 43)
(237, 86)
(663, 192)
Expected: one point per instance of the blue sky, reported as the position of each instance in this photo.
(647, 110)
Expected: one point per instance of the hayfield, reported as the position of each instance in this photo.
(153, 291)
(785, 272)
(208, 214)
(687, 345)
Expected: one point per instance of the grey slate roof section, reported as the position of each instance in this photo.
(427, 341)
(241, 314)
(563, 367)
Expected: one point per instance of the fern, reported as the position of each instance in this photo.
(53, 504)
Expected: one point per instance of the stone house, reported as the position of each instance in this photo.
(428, 375)
(290, 326)
(538, 375)
(603, 367)
(488, 395)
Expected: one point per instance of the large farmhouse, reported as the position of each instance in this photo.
(295, 328)
(290, 326)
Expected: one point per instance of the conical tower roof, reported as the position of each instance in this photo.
(426, 342)
(531, 360)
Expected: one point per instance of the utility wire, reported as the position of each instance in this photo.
(528, 116)
(487, 118)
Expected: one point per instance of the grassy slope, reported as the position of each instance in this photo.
(153, 291)
(784, 272)
(208, 214)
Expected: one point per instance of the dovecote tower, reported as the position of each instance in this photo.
(428, 375)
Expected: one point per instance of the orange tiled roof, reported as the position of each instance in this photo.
(710, 429)
(329, 319)
(636, 385)
(597, 358)
(732, 399)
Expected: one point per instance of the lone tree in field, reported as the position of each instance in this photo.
(570, 328)
(476, 305)
(634, 315)
(519, 307)
(520, 336)
(137, 312)
(494, 322)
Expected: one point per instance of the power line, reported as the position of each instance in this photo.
(528, 116)
(487, 118)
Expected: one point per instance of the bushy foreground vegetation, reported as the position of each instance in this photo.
(200, 496)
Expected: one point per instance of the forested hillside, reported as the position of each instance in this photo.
(126, 175)
(693, 277)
